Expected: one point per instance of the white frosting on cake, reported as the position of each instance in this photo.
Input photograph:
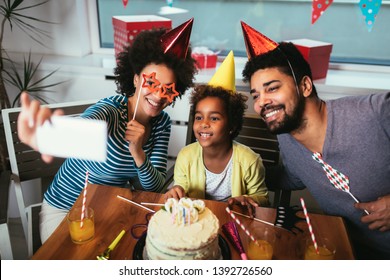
(169, 238)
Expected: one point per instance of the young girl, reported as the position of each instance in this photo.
(217, 167)
(150, 74)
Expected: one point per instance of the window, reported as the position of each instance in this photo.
(217, 24)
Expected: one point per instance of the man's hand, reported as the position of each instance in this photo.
(379, 210)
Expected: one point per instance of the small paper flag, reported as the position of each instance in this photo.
(370, 9)
(318, 8)
(125, 3)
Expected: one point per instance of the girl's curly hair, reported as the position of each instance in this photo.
(146, 49)
(234, 104)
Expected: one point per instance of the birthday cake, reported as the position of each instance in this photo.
(183, 230)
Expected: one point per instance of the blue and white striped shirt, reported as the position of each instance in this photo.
(119, 167)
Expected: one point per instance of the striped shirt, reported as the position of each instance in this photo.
(119, 168)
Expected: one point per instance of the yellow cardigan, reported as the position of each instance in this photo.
(248, 173)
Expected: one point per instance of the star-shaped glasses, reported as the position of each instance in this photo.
(169, 92)
(152, 84)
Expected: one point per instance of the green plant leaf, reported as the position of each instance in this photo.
(27, 82)
(12, 13)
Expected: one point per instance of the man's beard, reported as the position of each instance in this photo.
(290, 122)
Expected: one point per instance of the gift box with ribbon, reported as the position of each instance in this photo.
(204, 57)
(317, 54)
(126, 28)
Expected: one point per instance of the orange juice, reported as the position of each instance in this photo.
(82, 234)
(78, 234)
(324, 253)
(262, 252)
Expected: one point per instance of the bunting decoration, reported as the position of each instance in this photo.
(370, 9)
(125, 3)
(318, 8)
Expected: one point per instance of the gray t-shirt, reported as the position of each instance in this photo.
(357, 143)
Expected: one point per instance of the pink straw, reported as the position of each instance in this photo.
(313, 238)
(84, 200)
(241, 225)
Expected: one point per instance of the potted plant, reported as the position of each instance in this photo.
(14, 14)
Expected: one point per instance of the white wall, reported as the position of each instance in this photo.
(70, 29)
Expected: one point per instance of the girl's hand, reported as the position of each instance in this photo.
(246, 202)
(176, 192)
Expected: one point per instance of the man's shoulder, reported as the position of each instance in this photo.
(369, 99)
(357, 107)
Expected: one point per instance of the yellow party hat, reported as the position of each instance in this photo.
(225, 76)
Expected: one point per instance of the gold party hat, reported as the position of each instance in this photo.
(225, 76)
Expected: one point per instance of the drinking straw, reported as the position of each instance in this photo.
(152, 204)
(313, 238)
(84, 199)
(241, 225)
(256, 219)
(135, 203)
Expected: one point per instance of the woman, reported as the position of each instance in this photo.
(150, 74)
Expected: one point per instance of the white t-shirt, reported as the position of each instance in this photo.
(218, 186)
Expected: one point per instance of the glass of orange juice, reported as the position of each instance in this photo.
(264, 248)
(326, 249)
(81, 233)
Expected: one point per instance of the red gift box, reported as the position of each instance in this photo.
(126, 28)
(205, 60)
(317, 54)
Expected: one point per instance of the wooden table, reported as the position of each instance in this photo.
(113, 214)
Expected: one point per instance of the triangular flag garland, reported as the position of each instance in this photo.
(370, 9)
(318, 8)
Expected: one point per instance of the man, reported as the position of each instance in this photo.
(350, 134)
